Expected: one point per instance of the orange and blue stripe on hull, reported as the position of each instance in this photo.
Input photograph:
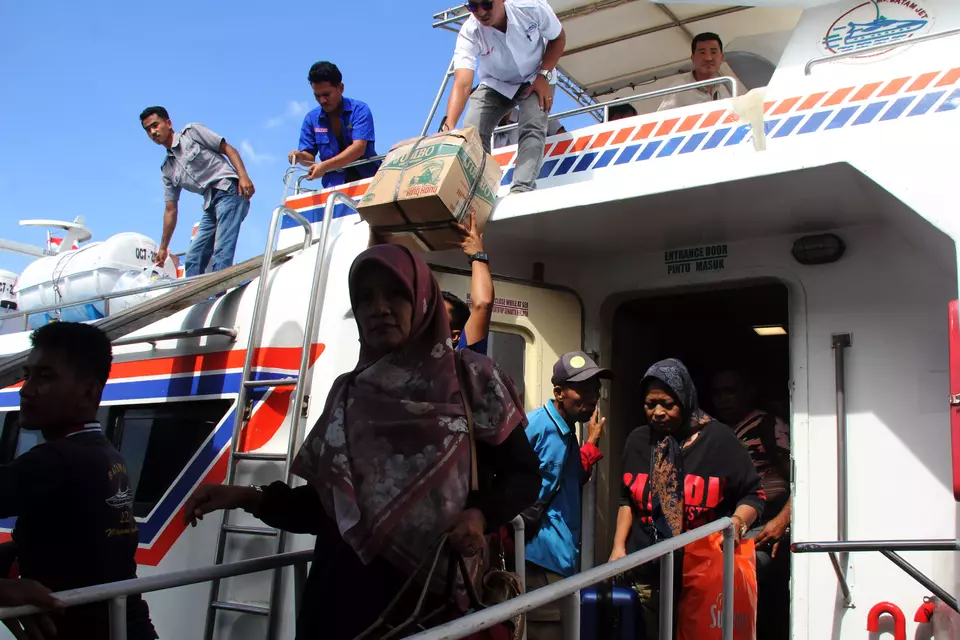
(193, 376)
(854, 106)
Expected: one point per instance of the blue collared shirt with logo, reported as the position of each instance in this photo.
(317, 137)
(563, 463)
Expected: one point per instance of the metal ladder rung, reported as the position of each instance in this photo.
(251, 531)
(280, 382)
(241, 607)
(262, 457)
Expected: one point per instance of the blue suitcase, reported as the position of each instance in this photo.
(608, 612)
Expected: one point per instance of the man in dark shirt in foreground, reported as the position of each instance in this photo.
(71, 494)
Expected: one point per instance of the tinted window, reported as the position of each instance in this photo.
(509, 351)
(28, 440)
(158, 440)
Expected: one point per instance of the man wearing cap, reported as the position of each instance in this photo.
(553, 522)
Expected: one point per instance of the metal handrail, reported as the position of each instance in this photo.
(875, 545)
(889, 549)
(807, 68)
(167, 284)
(356, 163)
(440, 23)
(840, 343)
(310, 327)
(567, 587)
(659, 93)
(315, 302)
(117, 592)
(438, 98)
(154, 338)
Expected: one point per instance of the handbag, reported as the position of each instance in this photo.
(700, 610)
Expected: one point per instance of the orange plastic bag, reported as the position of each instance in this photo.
(701, 601)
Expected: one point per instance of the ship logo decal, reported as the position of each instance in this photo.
(874, 23)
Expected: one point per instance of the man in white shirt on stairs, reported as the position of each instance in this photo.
(518, 43)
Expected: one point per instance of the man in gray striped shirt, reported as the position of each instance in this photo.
(197, 160)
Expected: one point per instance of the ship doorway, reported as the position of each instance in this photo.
(710, 331)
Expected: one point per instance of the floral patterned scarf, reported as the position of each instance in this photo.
(390, 456)
(666, 464)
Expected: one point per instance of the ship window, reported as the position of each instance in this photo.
(158, 440)
(27, 440)
(509, 351)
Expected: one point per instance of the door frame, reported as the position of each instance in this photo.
(799, 404)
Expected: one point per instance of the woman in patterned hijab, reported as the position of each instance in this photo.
(388, 463)
(390, 458)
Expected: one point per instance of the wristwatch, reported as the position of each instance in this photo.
(547, 75)
(479, 256)
(259, 489)
(743, 525)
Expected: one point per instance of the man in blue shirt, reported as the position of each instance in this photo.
(553, 522)
(470, 324)
(336, 133)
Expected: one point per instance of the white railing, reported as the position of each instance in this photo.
(570, 588)
(649, 95)
(116, 592)
(590, 108)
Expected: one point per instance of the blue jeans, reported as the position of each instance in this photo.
(218, 232)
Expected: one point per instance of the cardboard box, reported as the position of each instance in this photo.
(416, 198)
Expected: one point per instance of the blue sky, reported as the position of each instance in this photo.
(75, 76)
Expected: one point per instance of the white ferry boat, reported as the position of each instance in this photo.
(672, 233)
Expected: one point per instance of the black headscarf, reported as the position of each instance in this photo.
(675, 376)
(666, 468)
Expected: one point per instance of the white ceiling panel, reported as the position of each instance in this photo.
(683, 11)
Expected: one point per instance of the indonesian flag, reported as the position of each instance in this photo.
(54, 243)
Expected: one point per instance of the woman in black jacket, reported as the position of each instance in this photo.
(681, 470)
(388, 465)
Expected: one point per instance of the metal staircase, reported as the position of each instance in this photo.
(248, 383)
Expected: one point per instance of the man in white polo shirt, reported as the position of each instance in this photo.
(519, 43)
(706, 56)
